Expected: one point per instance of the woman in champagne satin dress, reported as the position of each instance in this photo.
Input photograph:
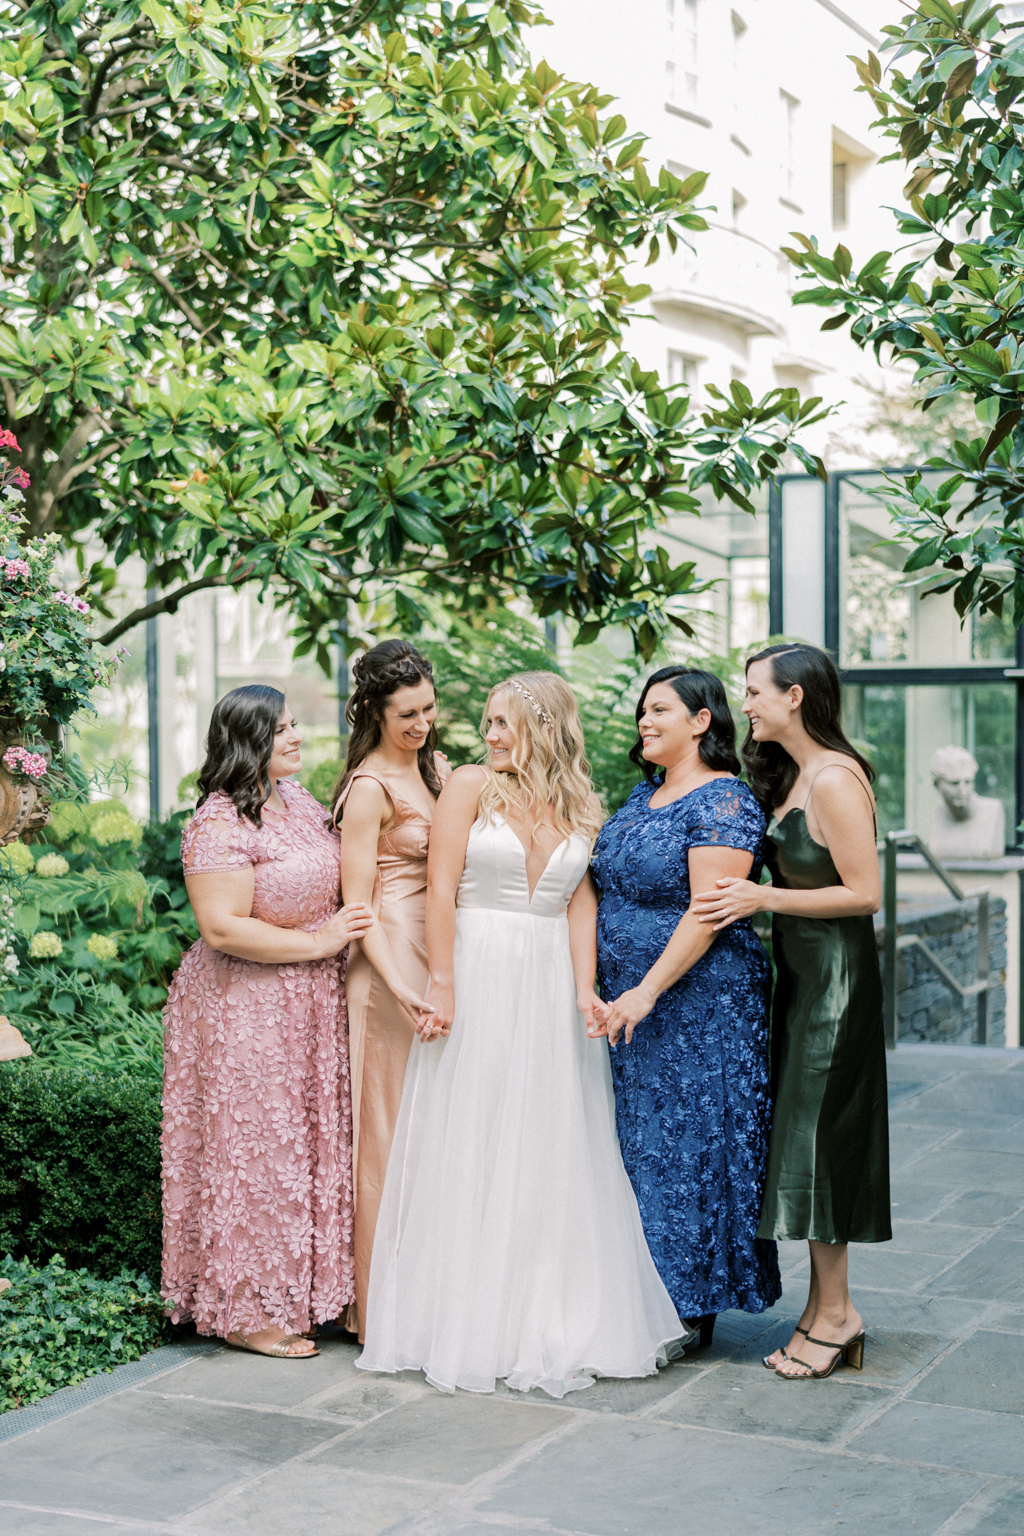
(384, 804)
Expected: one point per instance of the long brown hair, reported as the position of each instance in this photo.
(239, 746)
(770, 769)
(377, 674)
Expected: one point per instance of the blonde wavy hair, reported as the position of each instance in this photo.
(549, 763)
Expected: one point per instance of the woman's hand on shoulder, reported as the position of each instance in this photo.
(442, 767)
(729, 902)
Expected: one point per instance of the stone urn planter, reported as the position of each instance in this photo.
(24, 808)
(13, 1044)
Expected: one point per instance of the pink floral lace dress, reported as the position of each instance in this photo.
(257, 1130)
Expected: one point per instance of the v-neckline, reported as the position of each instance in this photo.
(522, 848)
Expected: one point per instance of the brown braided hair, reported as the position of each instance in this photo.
(377, 675)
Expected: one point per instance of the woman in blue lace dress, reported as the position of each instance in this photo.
(686, 1012)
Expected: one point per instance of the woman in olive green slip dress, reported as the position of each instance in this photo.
(828, 1166)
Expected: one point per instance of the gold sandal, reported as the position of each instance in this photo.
(278, 1351)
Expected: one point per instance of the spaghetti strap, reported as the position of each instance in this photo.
(860, 781)
(365, 773)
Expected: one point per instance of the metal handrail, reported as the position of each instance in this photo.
(890, 845)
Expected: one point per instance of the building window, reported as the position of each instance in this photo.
(682, 369)
(840, 171)
(688, 51)
(790, 108)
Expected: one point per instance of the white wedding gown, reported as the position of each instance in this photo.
(509, 1242)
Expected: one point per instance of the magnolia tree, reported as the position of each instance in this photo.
(330, 297)
(953, 304)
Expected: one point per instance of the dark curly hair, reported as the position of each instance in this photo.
(377, 674)
(770, 769)
(239, 746)
(698, 690)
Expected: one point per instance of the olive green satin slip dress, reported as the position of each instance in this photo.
(828, 1163)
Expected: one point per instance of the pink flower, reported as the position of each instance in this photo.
(8, 440)
(21, 479)
(32, 764)
(78, 605)
(14, 567)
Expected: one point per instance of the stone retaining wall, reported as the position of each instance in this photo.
(927, 1008)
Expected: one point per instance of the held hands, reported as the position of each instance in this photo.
(730, 901)
(625, 1013)
(593, 1009)
(348, 923)
(436, 1017)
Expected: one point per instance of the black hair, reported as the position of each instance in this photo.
(770, 769)
(239, 747)
(698, 690)
(377, 674)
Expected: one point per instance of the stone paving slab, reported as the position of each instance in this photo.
(928, 1439)
(657, 1481)
(970, 1440)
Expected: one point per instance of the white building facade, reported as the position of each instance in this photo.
(763, 96)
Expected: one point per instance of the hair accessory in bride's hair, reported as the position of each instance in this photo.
(542, 714)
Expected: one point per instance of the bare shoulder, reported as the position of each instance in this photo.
(366, 798)
(465, 783)
(835, 789)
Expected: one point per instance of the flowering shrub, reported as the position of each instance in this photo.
(45, 945)
(16, 858)
(49, 662)
(101, 919)
(51, 866)
(102, 947)
(9, 961)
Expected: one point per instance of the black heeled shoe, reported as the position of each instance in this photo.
(705, 1327)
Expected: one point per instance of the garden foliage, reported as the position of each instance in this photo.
(331, 296)
(100, 921)
(952, 301)
(58, 1326)
(80, 1167)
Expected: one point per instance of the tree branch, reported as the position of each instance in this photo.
(168, 604)
(176, 298)
(64, 470)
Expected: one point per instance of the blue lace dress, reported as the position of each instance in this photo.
(691, 1091)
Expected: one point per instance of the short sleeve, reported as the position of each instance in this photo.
(726, 815)
(217, 839)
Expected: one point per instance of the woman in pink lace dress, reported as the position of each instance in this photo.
(257, 1134)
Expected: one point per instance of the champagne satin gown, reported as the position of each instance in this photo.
(828, 1163)
(380, 1034)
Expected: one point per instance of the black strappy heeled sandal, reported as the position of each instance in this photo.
(766, 1360)
(851, 1353)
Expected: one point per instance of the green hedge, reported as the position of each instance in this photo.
(80, 1168)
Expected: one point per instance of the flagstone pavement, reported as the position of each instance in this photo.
(928, 1438)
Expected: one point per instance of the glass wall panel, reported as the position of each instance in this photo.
(882, 622)
(901, 726)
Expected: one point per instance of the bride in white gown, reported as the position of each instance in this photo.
(509, 1242)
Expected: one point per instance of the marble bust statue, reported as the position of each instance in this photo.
(965, 825)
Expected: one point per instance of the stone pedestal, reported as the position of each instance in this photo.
(1004, 877)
